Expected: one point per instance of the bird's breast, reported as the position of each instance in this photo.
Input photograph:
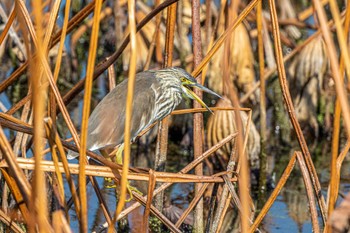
(166, 101)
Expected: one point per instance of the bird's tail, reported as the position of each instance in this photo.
(72, 155)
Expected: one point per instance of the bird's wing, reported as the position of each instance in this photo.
(144, 110)
(107, 121)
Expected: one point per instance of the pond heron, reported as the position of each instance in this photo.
(157, 93)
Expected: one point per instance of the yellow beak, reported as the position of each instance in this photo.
(194, 96)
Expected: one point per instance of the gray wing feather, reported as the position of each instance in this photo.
(107, 121)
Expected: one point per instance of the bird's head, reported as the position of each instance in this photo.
(187, 81)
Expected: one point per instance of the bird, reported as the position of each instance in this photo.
(157, 94)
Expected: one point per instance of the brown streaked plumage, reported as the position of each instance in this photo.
(157, 93)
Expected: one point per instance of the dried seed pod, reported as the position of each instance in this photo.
(312, 62)
(241, 63)
(222, 124)
(143, 40)
(307, 72)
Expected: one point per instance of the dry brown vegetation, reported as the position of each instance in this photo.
(52, 51)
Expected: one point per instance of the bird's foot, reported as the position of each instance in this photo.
(129, 188)
(110, 183)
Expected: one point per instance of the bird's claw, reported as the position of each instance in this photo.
(129, 188)
(110, 183)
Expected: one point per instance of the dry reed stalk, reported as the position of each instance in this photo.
(105, 171)
(14, 120)
(102, 201)
(212, 206)
(242, 169)
(19, 104)
(55, 138)
(111, 78)
(5, 219)
(150, 190)
(58, 178)
(309, 192)
(197, 117)
(335, 167)
(162, 138)
(263, 156)
(9, 33)
(7, 27)
(52, 112)
(128, 112)
(223, 210)
(195, 110)
(163, 128)
(291, 112)
(342, 156)
(83, 223)
(38, 207)
(16, 191)
(24, 116)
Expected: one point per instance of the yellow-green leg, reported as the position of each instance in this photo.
(119, 160)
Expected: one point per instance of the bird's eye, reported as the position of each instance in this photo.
(182, 79)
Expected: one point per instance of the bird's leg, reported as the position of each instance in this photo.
(119, 160)
(119, 154)
(105, 154)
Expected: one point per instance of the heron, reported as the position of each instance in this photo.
(157, 94)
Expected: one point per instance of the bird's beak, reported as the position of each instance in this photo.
(194, 96)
